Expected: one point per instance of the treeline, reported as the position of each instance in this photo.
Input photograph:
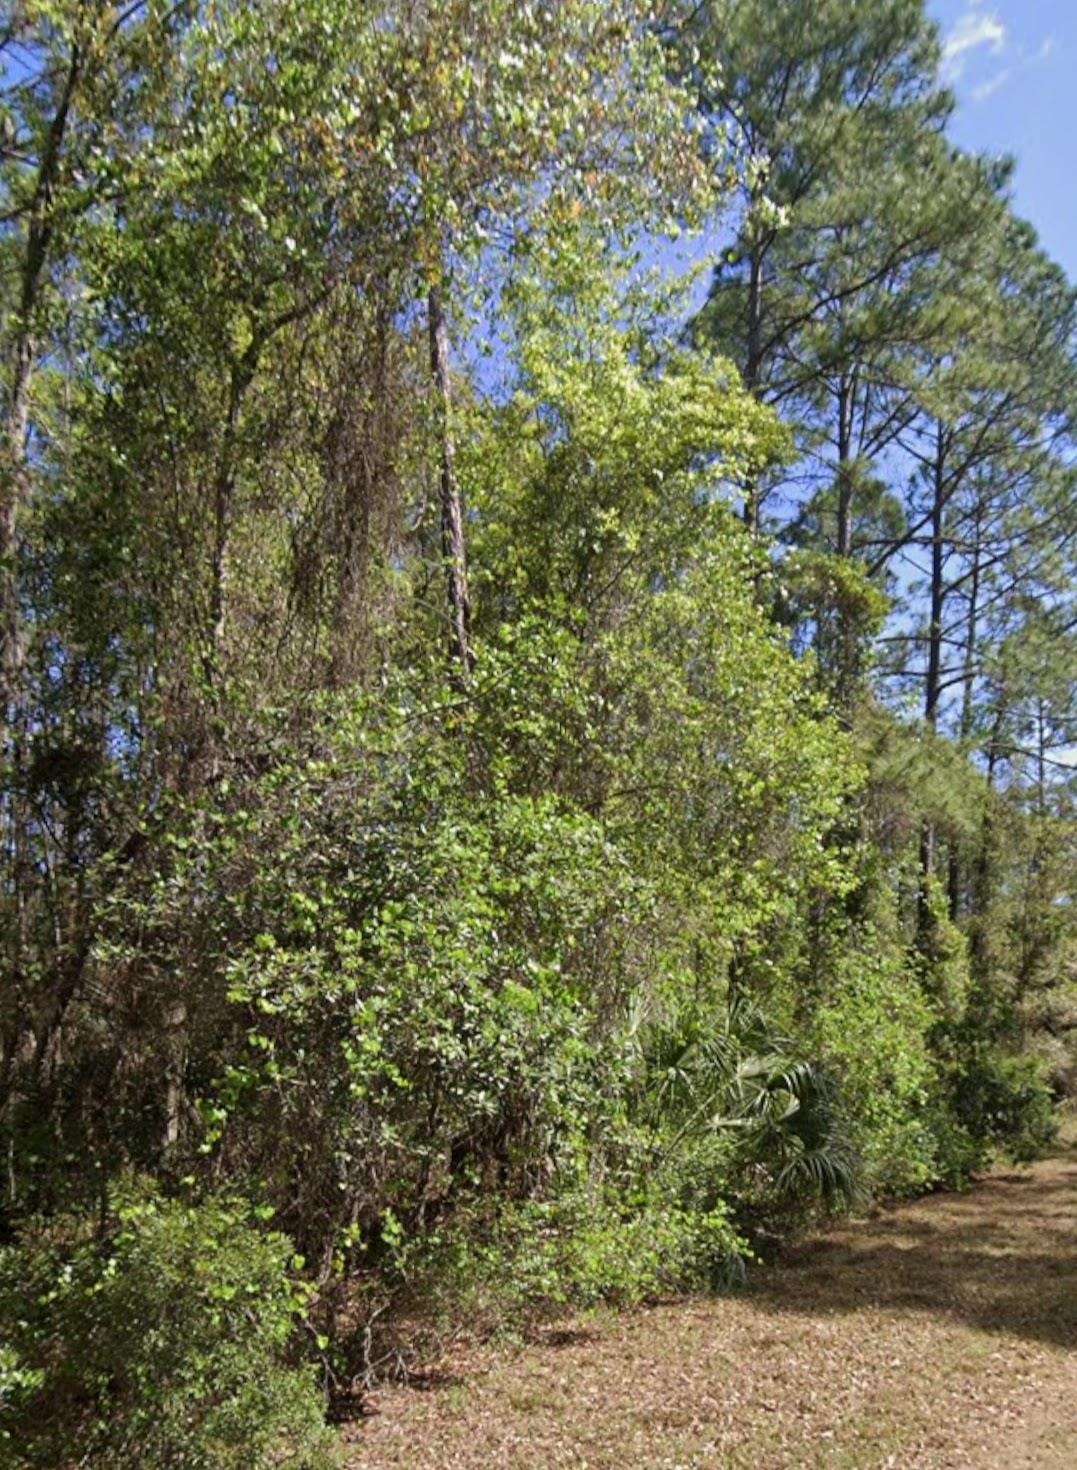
(492, 826)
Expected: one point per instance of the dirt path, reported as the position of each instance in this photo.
(939, 1334)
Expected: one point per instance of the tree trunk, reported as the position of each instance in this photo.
(846, 628)
(968, 673)
(224, 484)
(958, 896)
(844, 542)
(933, 678)
(14, 460)
(752, 372)
(984, 874)
(15, 487)
(176, 1031)
(453, 545)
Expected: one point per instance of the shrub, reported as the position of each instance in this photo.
(1004, 1102)
(874, 1029)
(162, 1343)
(580, 1252)
(508, 1266)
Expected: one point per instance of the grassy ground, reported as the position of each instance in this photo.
(942, 1333)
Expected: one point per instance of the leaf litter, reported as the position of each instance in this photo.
(940, 1333)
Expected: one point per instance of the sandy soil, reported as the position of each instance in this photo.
(938, 1334)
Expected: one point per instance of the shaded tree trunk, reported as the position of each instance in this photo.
(224, 485)
(752, 372)
(14, 460)
(933, 680)
(453, 544)
(958, 896)
(15, 486)
(984, 874)
(844, 538)
(933, 676)
(846, 629)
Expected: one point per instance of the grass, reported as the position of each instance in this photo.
(941, 1333)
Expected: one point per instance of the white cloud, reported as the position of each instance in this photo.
(1026, 59)
(987, 90)
(974, 30)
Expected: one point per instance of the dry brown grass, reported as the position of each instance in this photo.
(941, 1333)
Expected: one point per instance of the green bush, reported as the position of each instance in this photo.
(737, 1111)
(507, 1267)
(162, 1343)
(1005, 1103)
(873, 1029)
(581, 1252)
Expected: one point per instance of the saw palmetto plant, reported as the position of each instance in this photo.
(733, 1077)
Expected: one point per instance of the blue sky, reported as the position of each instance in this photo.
(1013, 67)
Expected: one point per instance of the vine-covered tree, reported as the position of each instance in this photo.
(522, 817)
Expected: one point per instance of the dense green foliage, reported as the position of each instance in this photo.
(521, 825)
(159, 1342)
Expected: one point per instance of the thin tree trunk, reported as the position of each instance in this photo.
(844, 544)
(224, 485)
(14, 457)
(453, 544)
(846, 629)
(984, 874)
(933, 678)
(14, 490)
(15, 487)
(968, 679)
(958, 897)
(932, 683)
(752, 373)
(176, 1027)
